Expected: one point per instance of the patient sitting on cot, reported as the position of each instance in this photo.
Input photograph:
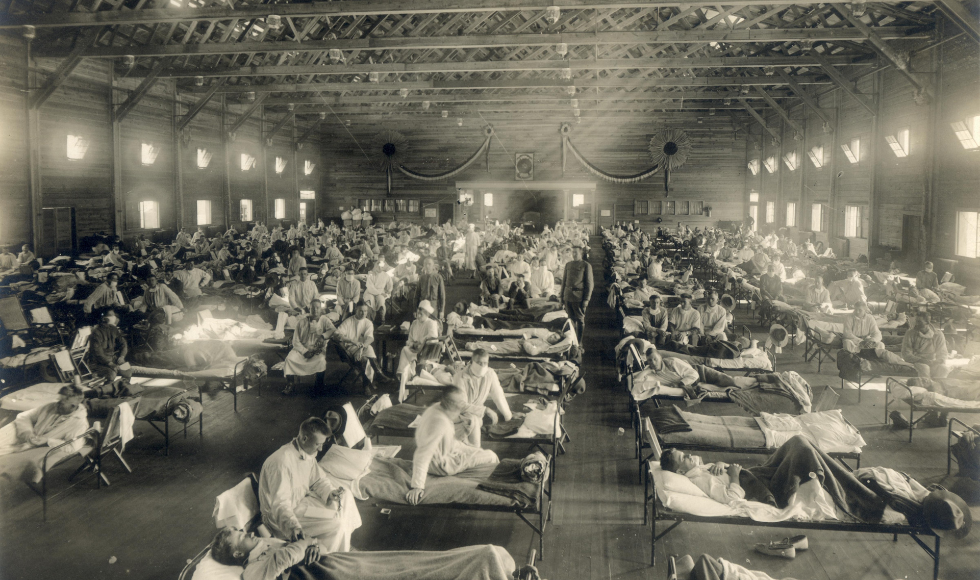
(269, 558)
(25, 442)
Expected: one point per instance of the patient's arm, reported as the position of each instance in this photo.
(498, 397)
(276, 561)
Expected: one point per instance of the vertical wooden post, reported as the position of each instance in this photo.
(118, 201)
(876, 142)
(930, 216)
(226, 154)
(265, 167)
(292, 145)
(178, 153)
(834, 156)
(33, 153)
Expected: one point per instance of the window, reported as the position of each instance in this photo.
(697, 207)
(641, 207)
(578, 199)
(375, 205)
(302, 212)
(307, 194)
(389, 206)
(968, 132)
(792, 160)
(401, 205)
(899, 142)
(753, 197)
(248, 162)
(683, 208)
(968, 234)
(77, 147)
(754, 166)
(413, 206)
(791, 214)
(854, 226)
(280, 165)
(754, 214)
(853, 150)
(816, 156)
(770, 212)
(245, 210)
(668, 208)
(816, 217)
(149, 215)
(280, 209)
(203, 158)
(770, 163)
(204, 212)
(655, 208)
(308, 167)
(148, 153)
(488, 199)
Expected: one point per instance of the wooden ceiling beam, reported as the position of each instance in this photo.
(755, 114)
(499, 97)
(456, 110)
(248, 113)
(807, 99)
(516, 65)
(780, 111)
(897, 60)
(412, 42)
(199, 105)
(137, 95)
(962, 17)
(278, 127)
(845, 84)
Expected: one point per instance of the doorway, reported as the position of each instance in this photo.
(446, 212)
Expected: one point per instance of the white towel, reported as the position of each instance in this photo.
(126, 421)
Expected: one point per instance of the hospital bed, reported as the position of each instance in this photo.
(228, 376)
(913, 397)
(953, 433)
(658, 497)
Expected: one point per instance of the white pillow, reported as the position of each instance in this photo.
(346, 464)
(677, 483)
(236, 507)
(209, 569)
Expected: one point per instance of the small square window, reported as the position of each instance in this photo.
(149, 215)
(578, 199)
(204, 212)
(203, 158)
(770, 163)
(816, 156)
(248, 162)
(488, 199)
(968, 132)
(308, 167)
(77, 147)
(375, 205)
(389, 206)
(753, 197)
(899, 143)
(754, 166)
(697, 208)
(792, 160)
(245, 210)
(683, 208)
(413, 206)
(280, 209)
(280, 165)
(149, 153)
(641, 207)
(668, 208)
(401, 205)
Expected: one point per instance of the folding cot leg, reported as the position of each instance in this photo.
(121, 460)
(166, 435)
(935, 565)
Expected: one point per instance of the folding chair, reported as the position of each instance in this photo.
(815, 348)
(94, 444)
(12, 316)
(352, 365)
(79, 350)
(64, 367)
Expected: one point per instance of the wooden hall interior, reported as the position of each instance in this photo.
(852, 128)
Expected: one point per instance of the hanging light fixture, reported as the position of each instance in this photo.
(566, 73)
(445, 114)
(323, 116)
(552, 14)
(403, 93)
(459, 122)
(29, 32)
(425, 105)
(570, 89)
(274, 21)
(336, 55)
(711, 112)
(373, 77)
(129, 60)
(562, 49)
(199, 81)
(250, 96)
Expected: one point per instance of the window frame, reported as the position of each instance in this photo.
(976, 234)
(822, 217)
(770, 212)
(817, 156)
(307, 194)
(578, 199)
(683, 207)
(771, 165)
(143, 211)
(900, 142)
(76, 146)
(790, 205)
(754, 165)
(246, 210)
(668, 207)
(852, 150)
(854, 225)
(641, 207)
(149, 153)
(279, 208)
(203, 156)
(205, 205)
(488, 199)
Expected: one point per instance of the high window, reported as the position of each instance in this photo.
(852, 150)
(899, 142)
(149, 153)
(280, 165)
(770, 163)
(968, 132)
(307, 194)
(754, 166)
(248, 161)
(968, 234)
(792, 160)
(816, 156)
(77, 147)
(203, 158)
(308, 167)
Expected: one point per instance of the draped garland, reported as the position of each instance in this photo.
(392, 144)
(567, 144)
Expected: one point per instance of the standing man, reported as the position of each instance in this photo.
(576, 290)
(296, 499)
(378, 290)
(470, 248)
(432, 288)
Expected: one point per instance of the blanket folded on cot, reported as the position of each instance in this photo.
(506, 480)
(477, 562)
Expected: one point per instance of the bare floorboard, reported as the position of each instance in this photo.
(153, 520)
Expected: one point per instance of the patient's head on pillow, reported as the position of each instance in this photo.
(229, 547)
(677, 461)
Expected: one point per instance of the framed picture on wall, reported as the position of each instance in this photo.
(605, 212)
(431, 212)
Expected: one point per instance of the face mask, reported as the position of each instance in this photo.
(698, 462)
(479, 371)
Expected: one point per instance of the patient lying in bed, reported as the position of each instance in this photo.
(268, 558)
(553, 343)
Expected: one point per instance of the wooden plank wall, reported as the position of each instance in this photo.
(713, 173)
(15, 193)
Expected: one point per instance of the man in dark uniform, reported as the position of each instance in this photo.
(576, 290)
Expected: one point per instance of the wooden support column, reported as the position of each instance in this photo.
(930, 198)
(178, 153)
(33, 154)
(878, 82)
(265, 168)
(295, 156)
(834, 156)
(118, 202)
(226, 154)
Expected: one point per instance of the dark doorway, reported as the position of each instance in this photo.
(445, 212)
(911, 224)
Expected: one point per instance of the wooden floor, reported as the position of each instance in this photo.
(152, 521)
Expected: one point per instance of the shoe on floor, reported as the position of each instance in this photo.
(777, 549)
(798, 542)
(933, 419)
(898, 420)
